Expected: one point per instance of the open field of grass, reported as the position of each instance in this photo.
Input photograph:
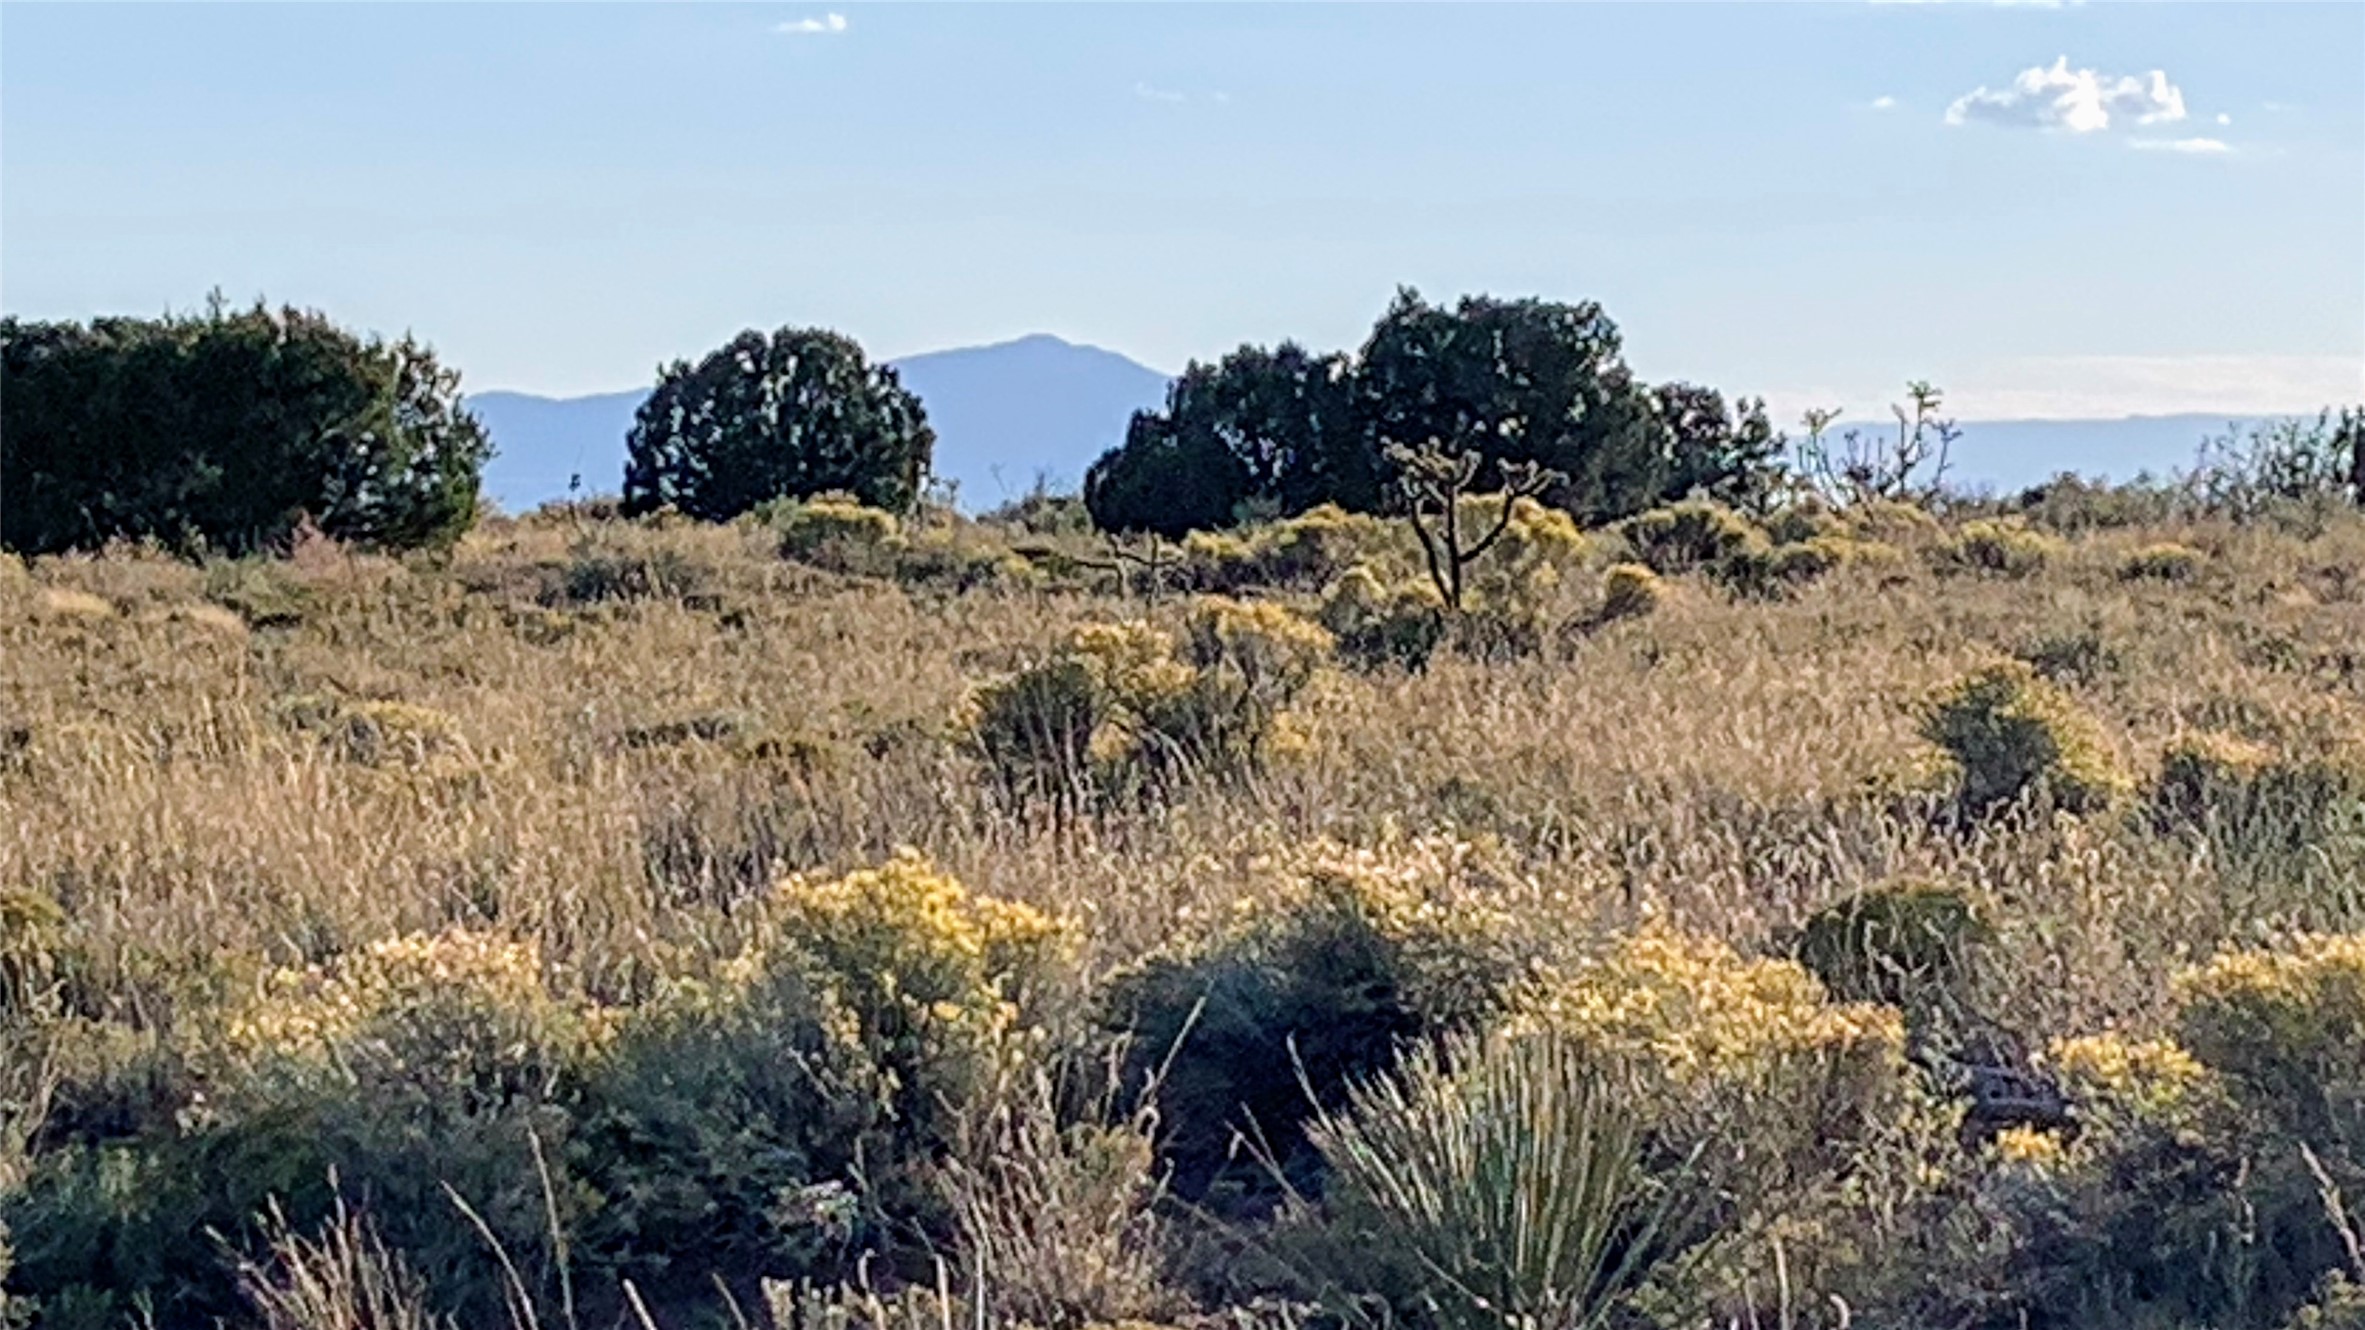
(544, 871)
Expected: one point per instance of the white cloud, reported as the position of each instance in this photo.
(2193, 147)
(1882, 103)
(2224, 119)
(2080, 101)
(828, 25)
(1150, 92)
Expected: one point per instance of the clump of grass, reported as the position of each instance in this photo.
(342, 1278)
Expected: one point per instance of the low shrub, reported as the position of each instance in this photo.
(1999, 548)
(786, 1114)
(1034, 730)
(2202, 1184)
(1630, 591)
(2286, 1026)
(2080, 656)
(1893, 522)
(1797, 523)
(627, 566)
(1248, 1031)
(2162, 561)
(1691, 536)
(1750, 1074)
(2013, 736)
(2072, 505)
(1216, 704)
(839, 534)
(1219, 564)
(390, 1073)
(2256, 807)
(1124, 706)
(1912, 945)
(1376, 626)
(1805, 561)
(1314, 548)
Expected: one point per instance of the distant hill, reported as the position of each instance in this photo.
(2006, 455)
(1009, 413)
(541, 443)
(1004, 415)
(1038, 407)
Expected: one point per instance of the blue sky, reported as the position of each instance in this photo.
(1813, 202)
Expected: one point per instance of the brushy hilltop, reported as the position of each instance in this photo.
(1853, 916)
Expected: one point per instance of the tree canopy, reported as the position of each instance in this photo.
(227, 430)
(789, 415)
(1515, 381)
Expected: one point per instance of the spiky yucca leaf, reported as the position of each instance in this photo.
(1500, 1183)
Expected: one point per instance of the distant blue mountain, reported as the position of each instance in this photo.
(1005, 416)
(1009, 414)
(2007, 455)
(1037, 408)
(541, 444)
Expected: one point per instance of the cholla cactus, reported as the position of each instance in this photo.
(1438, 487)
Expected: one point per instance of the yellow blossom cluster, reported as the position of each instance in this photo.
(1133, 662)
(2151, 1080)
(1695, 1008)
(2287, 1017)
(2030, 1148)
(453, 1007)
(913, 951)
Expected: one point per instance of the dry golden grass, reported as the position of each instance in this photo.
(222, 770)
(189, 790)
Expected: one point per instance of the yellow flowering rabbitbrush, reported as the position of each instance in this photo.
(459, 1012)
(2012, 734)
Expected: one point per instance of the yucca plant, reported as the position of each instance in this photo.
(1498, 1182)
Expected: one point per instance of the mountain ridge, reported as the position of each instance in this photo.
(1005, 414)
(1040, 408)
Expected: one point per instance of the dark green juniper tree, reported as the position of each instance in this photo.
(786, 416)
